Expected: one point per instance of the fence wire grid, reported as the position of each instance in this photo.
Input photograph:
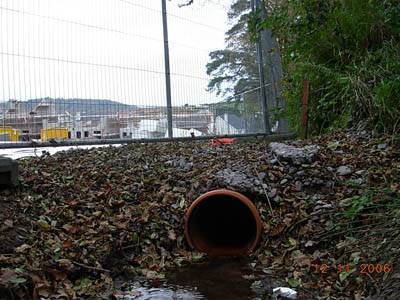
(86, 70)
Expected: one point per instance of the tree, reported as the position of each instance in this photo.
(234, 69)
(349, 50)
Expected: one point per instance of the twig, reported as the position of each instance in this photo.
(287, 251)
(289, 229)
(331, 234)
(265, 192)
(34, 151)
(279, 162)
(373, 281)
(394, 130)
(90, 268)
(11, 293)
(190, 2)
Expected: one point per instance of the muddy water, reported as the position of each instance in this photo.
(214, 280)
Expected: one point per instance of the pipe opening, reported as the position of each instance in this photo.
(223, 223)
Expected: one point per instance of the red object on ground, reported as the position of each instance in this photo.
(223, 223)
(222, 141)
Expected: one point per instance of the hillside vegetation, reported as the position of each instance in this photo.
(349, 50)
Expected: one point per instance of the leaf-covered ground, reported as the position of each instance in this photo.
(80, 218)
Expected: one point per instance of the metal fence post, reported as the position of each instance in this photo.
(255, 7)
(167, 68)
(304, 102)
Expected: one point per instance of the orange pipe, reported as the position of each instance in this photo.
(223, 223)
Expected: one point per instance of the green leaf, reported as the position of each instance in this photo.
(197, 257)
(293, 282)
(344, 275)
(83, 283)
(356, 257)
(17, 280)
(19, 270)
(292, 241)
(182, 203)
(43, 224)
(333, 145)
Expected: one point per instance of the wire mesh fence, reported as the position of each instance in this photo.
(87, 70)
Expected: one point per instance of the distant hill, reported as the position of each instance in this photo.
(75, 105)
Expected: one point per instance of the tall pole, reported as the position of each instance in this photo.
(167, 68)
(255, 4)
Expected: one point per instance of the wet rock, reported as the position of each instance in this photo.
(382, 146)
(284, 293)
(361, 172)
(273, 161)
(182, 163)
(293, 154)
(239, 180)
(323, 207)
(315, 197)
(317, 182)
(298, 186)
(327, 206)
(262, 175)
(344, 170)
(273, 193)
(329, 184)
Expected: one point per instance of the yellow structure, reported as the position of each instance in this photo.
(12, 133)
(53, 133)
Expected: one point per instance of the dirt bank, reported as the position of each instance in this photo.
(82, 217)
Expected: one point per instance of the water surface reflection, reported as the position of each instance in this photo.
(214, 280)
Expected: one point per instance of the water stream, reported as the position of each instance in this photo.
(214, 280)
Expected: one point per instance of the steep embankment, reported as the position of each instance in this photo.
(81, 217)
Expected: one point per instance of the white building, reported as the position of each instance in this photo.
(146, 128)
(228, 123)
(179, 132)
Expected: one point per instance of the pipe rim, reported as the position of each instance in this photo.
(237, 196)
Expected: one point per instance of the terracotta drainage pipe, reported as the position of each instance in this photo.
(223, 223)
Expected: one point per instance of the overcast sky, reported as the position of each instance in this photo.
(107, 49)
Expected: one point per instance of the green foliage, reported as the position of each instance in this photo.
(357, 204)
(349, 50)
(369, 200)
(234, 70)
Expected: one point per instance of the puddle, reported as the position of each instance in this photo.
(219, 279)
(17, 153)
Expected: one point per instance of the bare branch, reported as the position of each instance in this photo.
(186, 4)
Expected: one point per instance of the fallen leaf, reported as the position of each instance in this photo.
(172, 235)
(23, 248)
(293, 282)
